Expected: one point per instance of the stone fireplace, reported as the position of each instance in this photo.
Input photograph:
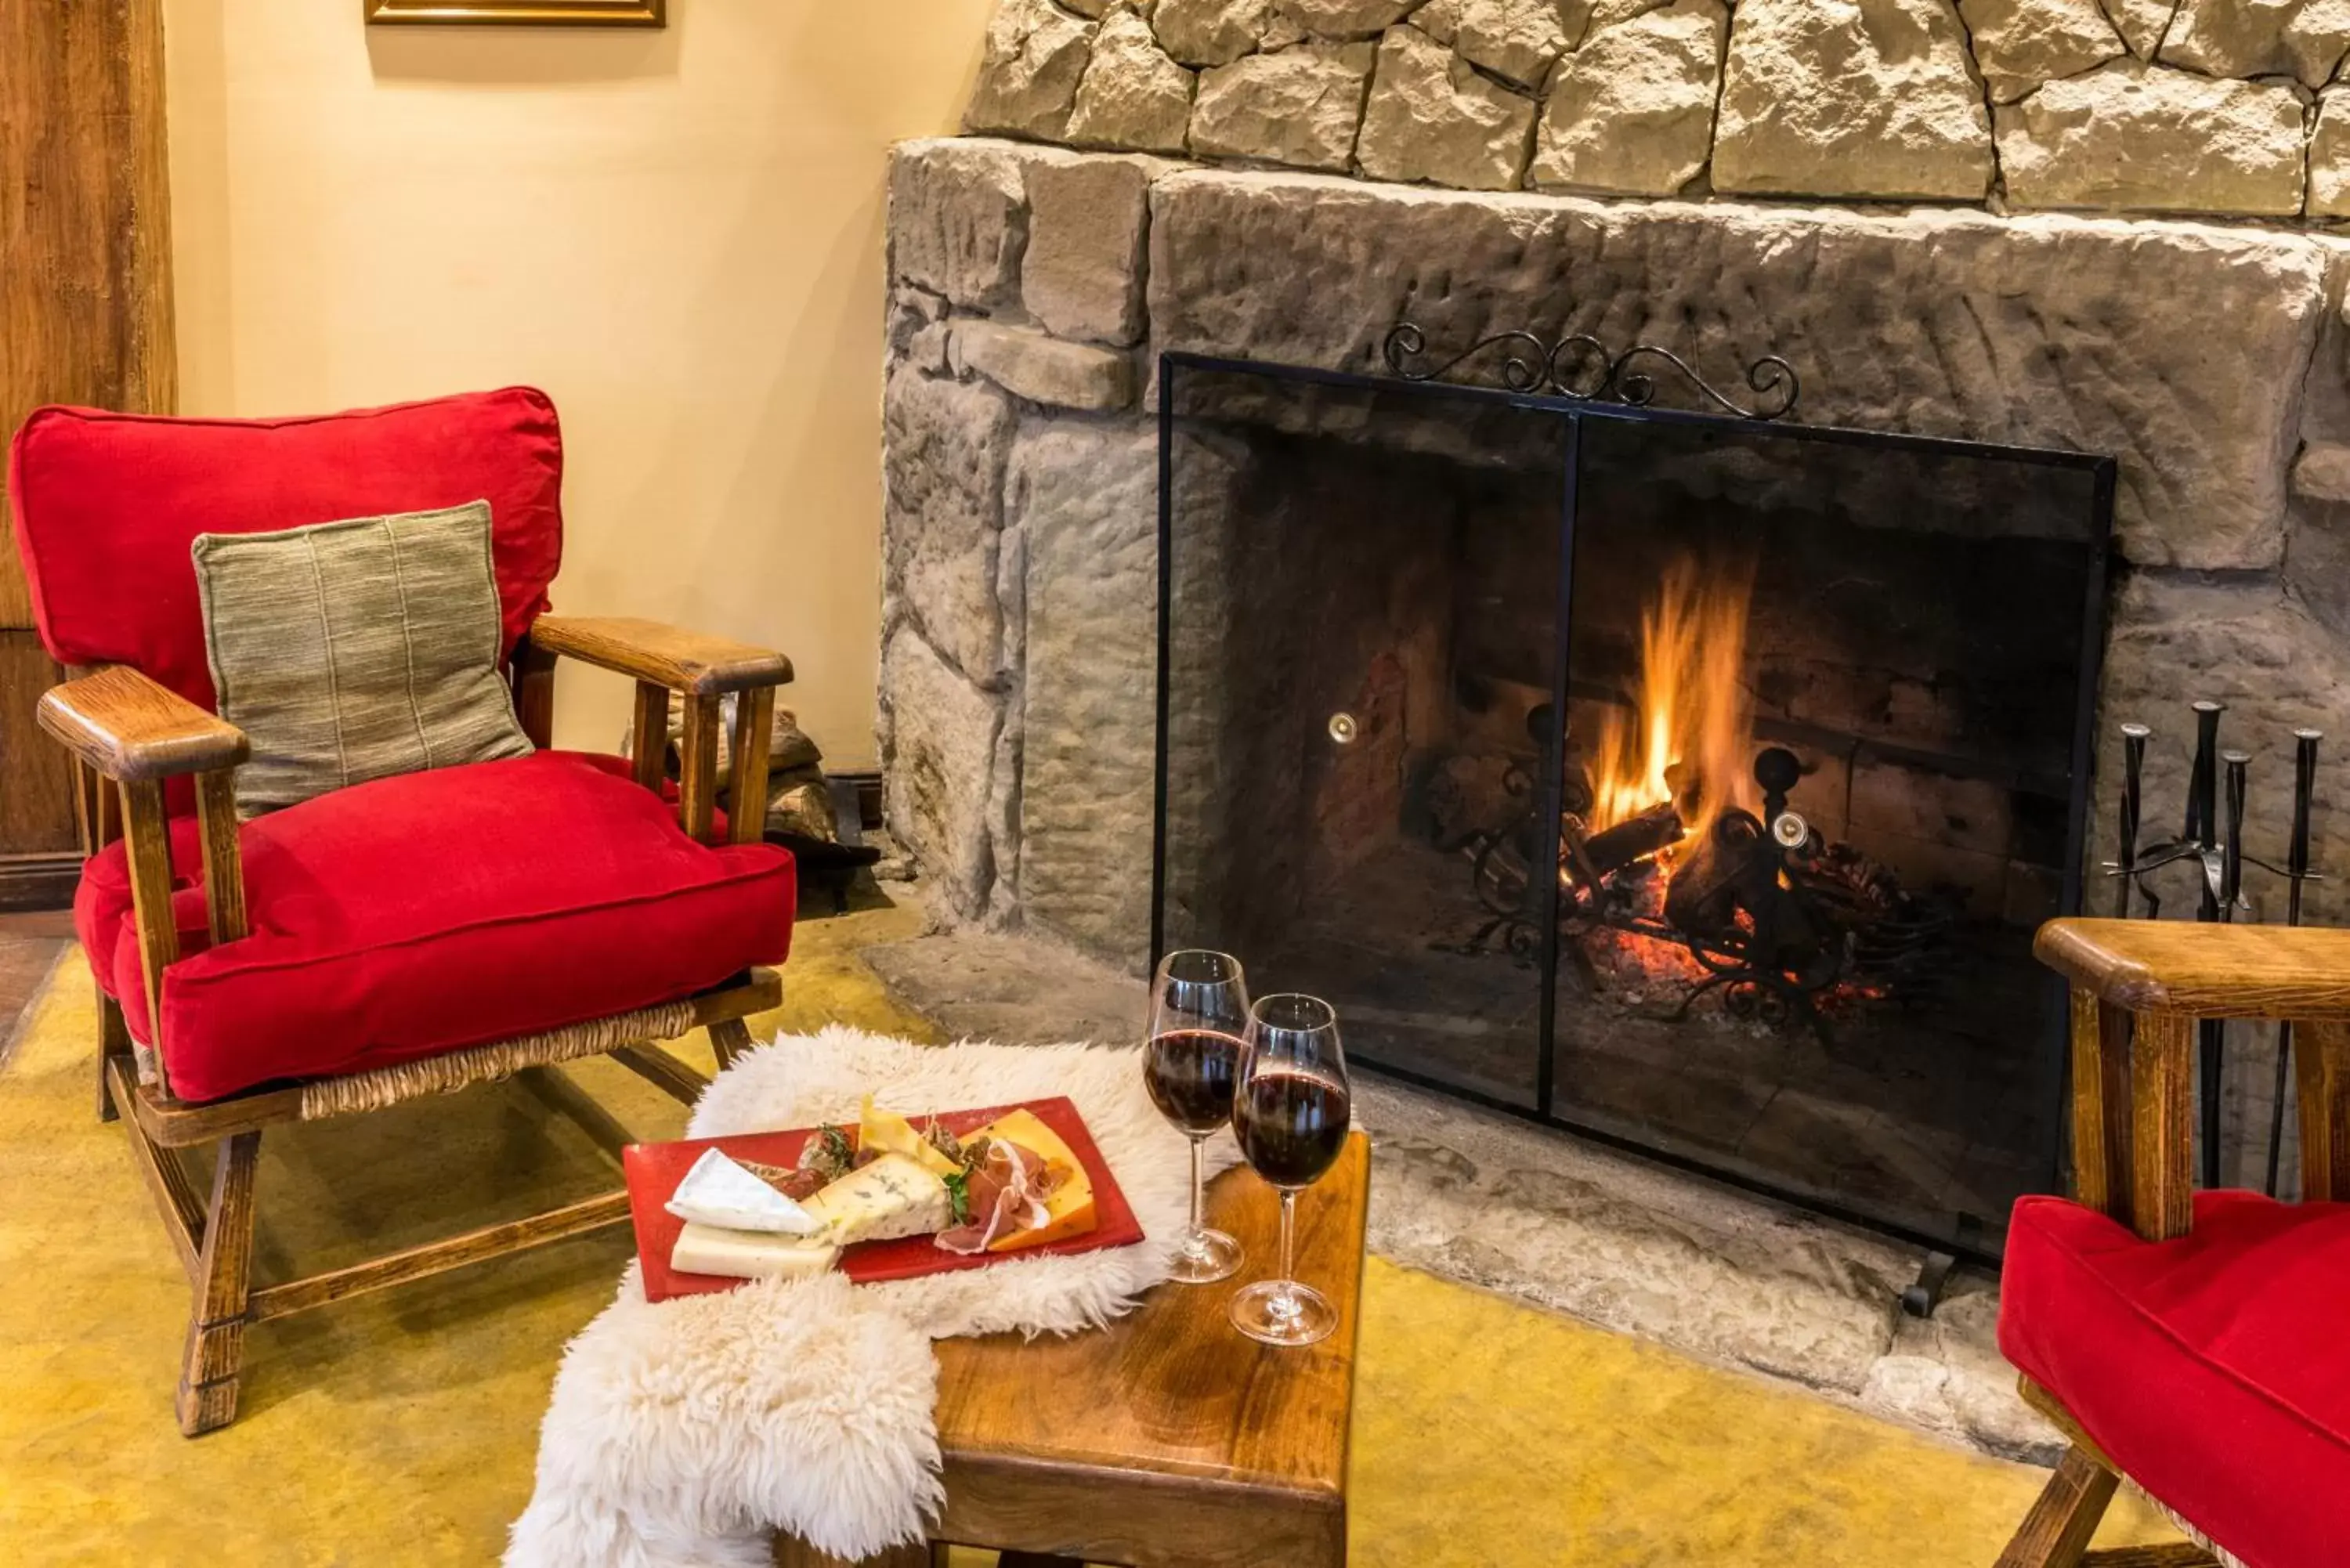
(1719, 184)
(1799, 722)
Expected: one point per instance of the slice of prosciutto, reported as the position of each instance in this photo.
(1007, 1191)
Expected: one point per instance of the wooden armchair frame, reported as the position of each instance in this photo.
(2138, 989)
(128, 736)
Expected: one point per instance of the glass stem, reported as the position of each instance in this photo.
(1199, 1190)
(1286, 1301)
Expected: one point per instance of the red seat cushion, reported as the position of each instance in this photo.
(2213, 1369)
(105, 505)
(420, 914)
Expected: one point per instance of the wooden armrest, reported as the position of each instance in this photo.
(688, 662)
(137, 732)
(2204, 972)
(2139, 989)
(134, 730)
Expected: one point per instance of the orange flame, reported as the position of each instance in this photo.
(1693, 735)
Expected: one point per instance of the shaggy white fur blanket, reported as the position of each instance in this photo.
(682, 1435)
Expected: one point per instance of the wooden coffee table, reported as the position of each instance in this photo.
(1168, 1440)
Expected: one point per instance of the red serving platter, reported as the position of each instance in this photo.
(654, 1169)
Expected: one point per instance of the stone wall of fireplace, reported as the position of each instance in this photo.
(1033, 286)
(2180, 106)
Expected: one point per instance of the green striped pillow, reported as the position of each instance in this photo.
(355, 650)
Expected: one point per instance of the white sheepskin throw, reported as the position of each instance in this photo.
(683, 1435)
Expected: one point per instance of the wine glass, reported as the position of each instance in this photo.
(1199, 1012)
(1292, 1112)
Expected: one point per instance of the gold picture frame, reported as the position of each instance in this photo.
(510, 13)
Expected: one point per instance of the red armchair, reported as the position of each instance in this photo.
(2190, 1343)
(405, 937)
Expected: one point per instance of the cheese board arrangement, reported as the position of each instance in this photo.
(887, 1198)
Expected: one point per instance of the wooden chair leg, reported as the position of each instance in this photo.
(113, 1040)
(2057, 1532)
(729, 1038)
(215, 1350)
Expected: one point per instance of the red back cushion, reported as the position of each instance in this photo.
(107, 506)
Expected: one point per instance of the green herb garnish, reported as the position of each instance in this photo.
(958, 1187)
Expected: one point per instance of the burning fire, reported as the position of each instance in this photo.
(1690, 740)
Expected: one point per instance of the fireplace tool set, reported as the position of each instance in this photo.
(1775, 916)
(2215, 849)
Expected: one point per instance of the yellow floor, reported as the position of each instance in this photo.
(399, 1429)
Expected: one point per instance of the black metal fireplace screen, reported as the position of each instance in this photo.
(1689, 780)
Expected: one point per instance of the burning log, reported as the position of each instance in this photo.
(1729, 889)
(1711, 883)
(1651, 833)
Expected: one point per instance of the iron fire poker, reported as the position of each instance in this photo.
(2220, 860)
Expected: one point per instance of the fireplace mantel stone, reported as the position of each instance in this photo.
(1020, 579)
(2151, 106)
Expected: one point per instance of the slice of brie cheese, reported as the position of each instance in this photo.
(749, 1254)
(891, 1197)
(721, 1193)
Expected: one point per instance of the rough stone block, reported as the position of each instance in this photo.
(1035, 57)
(1043, 369)
(1211, 32)
(1085, 497)
(1851, 97)
(1133, 96)
(2040, 331)
(2020, 44)
(945, 447)
(1301, 106)
(1631, 111)
(1087, 230)
(2322, 472)
(2139, 138)
(1346, 18)
(2329, 158)
(915, 311)
(958, 220)
(1518, 40)
(1431, 117)
(938, 736)
(2142, 23)
(2302, 38)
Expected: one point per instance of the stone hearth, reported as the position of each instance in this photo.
(1552, 1221)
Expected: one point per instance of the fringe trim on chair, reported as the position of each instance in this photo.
(2227, 1559)
(486, 1063)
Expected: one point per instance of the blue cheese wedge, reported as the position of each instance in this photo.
(749, 1254)
(717, 1192)
(891, 1197)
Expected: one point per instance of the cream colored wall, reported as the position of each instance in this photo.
(677, 233)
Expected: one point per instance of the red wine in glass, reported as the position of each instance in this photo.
(1199, 1017)
(1189, 1074)
(1290, 1113)
(1292, 1125)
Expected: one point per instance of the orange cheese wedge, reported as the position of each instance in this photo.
(1068, 1212)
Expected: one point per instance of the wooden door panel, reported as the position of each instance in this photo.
(85, 314)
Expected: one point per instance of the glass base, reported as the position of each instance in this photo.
(1204, 1257)
(1281, 1312)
